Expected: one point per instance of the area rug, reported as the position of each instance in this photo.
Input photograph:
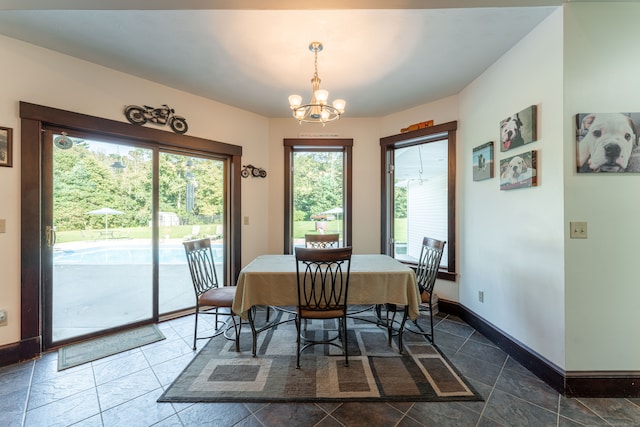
(376, 372)
(88, 351)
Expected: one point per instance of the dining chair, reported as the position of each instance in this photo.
(323, 283)
(210, 296)
(426, 274)
(322, 241)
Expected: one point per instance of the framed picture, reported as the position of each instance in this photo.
(519, 171)
(607, 142)
(6, 147)
(518, 129)
(483, 162)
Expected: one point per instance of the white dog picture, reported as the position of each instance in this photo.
(518, 129)
(607, 142)
(519, 171)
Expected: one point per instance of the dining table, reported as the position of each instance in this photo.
(270, 280)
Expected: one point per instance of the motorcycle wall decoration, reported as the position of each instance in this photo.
(164, 115)
(250, 170)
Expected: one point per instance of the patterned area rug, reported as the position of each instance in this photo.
(376, 372)
(88, 351)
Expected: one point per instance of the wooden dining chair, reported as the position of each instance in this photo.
(426, 274)
(323, 282)
(210, 296)
(322, 241)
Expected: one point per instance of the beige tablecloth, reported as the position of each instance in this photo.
(374, 279)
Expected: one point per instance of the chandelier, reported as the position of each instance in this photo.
(318, 110)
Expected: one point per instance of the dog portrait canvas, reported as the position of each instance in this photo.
(607, 142)
(519, 171)
(483, 162)
(518, 129)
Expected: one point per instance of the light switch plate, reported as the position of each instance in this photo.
(578, 230)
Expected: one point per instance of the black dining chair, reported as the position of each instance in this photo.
(323, 283)
(210, 297)
(322, 241)
(426, 274)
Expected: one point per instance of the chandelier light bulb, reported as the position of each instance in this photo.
(321, 96)
(339, 105)
(295, 101)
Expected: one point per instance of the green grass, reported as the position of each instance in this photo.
(300, 228)
(175, 232)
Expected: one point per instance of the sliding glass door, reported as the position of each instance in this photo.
(102, 271)
(116, 214)
(191, 206)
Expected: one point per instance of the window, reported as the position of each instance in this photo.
(418, 193)
(317, 189)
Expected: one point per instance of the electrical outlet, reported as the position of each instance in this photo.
(578, 230)
(481, 296)
(3, 318)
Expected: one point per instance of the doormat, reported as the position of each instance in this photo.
(376, 372)
(88, 351)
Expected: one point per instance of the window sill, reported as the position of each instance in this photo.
(442, 274)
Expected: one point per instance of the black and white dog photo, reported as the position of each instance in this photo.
(518, 129)
(605, 142)
(510, 132)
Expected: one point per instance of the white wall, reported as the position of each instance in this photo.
(602, 66)
(47, 78)
(511, 243)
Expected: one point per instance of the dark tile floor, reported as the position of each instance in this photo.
(122, 391)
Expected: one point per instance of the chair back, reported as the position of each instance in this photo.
(429, 263)
(201, 265)
(322, 240)
(323, 278)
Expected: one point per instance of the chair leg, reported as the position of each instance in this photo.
(254, 333)
(390, 318)
(298, 343)
(433, 338)
(401, 329)
(389, 329)
(195, 329)
(345, 344)
(238, 329)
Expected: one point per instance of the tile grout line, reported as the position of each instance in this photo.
(95, 385)
(26, 401)
(493, 387)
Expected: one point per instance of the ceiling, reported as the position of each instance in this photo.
(380, 56)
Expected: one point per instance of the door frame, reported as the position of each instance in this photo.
(33, 120)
